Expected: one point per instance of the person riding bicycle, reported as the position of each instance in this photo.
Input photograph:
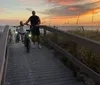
(35, 21)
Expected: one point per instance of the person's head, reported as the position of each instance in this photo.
(21, 23)
(33, 13)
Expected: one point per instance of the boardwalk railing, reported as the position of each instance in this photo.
(3, 51)
(90, 44)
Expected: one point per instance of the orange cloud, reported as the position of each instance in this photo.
(94, 11)
(72, 8)
(66, 2)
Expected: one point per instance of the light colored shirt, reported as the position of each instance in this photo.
(21, 30)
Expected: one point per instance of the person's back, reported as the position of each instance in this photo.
(34, 20)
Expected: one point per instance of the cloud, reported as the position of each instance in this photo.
(62, 2)
(65, 2)
(68, 8)
(31, 2)
(72, 9)
(2, 9)
(9, 21)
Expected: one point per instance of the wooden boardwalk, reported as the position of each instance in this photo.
(39, 67)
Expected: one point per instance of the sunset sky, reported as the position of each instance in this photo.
(51, 12)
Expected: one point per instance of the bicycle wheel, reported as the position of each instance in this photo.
(28, 45)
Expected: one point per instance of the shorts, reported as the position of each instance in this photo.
(21, 33)
(35, 31)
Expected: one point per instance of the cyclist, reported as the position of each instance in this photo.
(35, 21)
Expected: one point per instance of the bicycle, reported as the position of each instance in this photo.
(27, 40)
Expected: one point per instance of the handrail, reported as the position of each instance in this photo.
(83, 67)
(3, 49)
(88, 43)
(93, 45)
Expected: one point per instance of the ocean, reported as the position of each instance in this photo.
(67, 28)
(63, 28)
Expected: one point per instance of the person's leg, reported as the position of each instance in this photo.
(38, 35)
(38, 39)
(33, 36)
(21, 37)
(33, 39)
(34, 42)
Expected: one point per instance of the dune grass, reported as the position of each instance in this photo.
(86, 56)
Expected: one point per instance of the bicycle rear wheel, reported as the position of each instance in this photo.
(28, 45)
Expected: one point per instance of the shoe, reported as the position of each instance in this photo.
(39, 46)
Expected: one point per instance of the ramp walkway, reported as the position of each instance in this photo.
(39, 67)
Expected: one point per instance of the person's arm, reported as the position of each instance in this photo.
(27, 21)
(39, 22)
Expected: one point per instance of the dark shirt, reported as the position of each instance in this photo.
(34, 20)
